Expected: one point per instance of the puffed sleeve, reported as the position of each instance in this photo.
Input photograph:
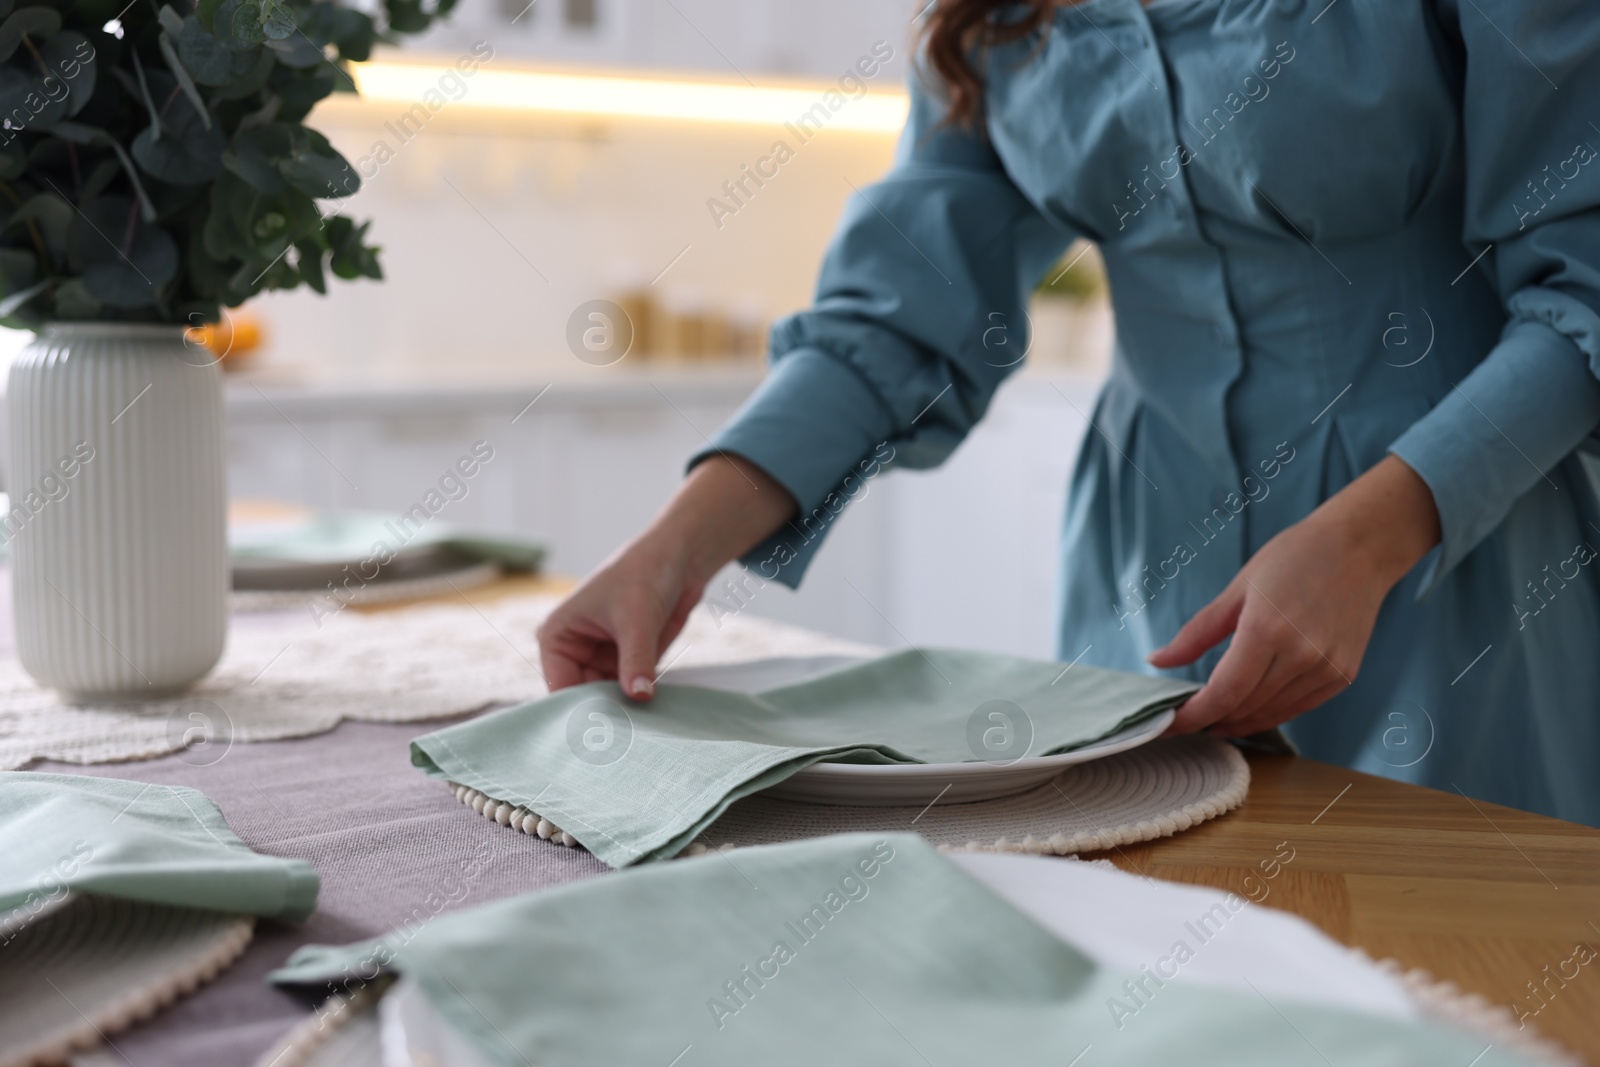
(892, 363)
(1532, 79)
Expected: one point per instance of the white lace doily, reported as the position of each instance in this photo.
(283, 676)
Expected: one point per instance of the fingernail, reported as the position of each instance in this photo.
(640, 687)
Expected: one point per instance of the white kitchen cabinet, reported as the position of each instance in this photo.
(964, 555)
(724, 38)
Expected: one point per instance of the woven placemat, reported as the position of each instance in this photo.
(91, 966)
(1148, 792)
(1151, 791)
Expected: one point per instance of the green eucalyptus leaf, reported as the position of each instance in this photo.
(407, 16)
(321, 172)
(301, 89)
(170, 20)
(261, 116)
(256, 227)
(18, 268)
(316, 22)
(354, 33)
(337, 230)
(206, 12)
(262, 65)
(124, 260)
(124, 283)
(13, 301)
(183, 149)
(230, 200)
(170, 53)
(277, 21)
(244, 28)
(281, 274)
(171, 199)
(352, 258)
(78, 133)
(31, 101)
(308, 261)
(321, 177)
(36, 22)
(74, 301)
(208, 59)
(206, 274)
(51, 216)
(254, 153)
(141, 89)
(13, 160)
(103, 174)
(297, 51)
(15, 85)
(71, 57)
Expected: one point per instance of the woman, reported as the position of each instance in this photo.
(1354, 252)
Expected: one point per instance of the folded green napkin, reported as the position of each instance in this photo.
(339, 537)
(155, 843)
(852, 949)
(637, 782)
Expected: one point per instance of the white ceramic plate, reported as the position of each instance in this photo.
(903, 784)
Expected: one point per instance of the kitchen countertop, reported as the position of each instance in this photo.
(1487, 897)
(251, 394)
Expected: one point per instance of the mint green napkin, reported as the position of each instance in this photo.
(155, 843)
(336, 537)
(637, 782)
(853, 949)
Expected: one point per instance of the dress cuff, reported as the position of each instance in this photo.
(818, 429)
(1493, 437)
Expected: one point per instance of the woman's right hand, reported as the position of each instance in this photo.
(617, 623)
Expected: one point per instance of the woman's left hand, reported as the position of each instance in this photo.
(1301, 611)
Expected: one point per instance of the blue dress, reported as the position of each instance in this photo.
(1332, 231)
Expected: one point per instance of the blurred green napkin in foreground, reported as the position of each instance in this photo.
(635, 782)
(853, 949)
(137, 841)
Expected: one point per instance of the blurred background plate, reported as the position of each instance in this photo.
(367, 557)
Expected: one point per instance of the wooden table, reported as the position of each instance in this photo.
(1480, 895)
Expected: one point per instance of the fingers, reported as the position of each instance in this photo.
(565, 656)
(1204, 631)
(559, 671)
(1238, 674)
(636, 656)
(1280, 710)
(1285, 682)
(570, 657)
(1297, 669)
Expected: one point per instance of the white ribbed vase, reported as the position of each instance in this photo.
(118, 524)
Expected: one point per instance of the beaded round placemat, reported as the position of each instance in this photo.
(1152, 791)
(91, 966)
(1148, 792)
